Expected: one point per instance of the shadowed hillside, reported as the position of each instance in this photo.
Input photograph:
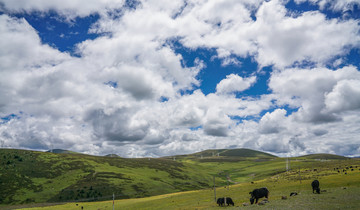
(62, 151)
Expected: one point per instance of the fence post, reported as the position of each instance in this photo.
(113, 201)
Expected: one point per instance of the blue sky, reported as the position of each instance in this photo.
(154, 78)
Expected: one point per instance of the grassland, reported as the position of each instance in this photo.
(33, 178)
(36, 177)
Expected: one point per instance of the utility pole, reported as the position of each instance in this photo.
(51, 148)
(287, 164)
(228, 178)
(214, 188)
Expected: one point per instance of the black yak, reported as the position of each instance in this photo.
(293, 194)
(258, 193)
(220, 201)
(228, 200)
(315, 186)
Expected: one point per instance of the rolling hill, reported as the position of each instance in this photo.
(225, 155)
(324, 156)
(38, 177)
(32, 177)
(235, 153)
(62, 151)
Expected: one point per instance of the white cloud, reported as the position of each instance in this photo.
(234, 83)
(336, 5)
(276, 37)
(24, 59)
(68, 8)
(128, 57)
(307, 89)
(110, 99)
(344, 96)
(217, 122)
(284, 40)
(44, 83)
(20, 39)
(272, 122)
(118, 125)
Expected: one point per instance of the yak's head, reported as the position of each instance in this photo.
(318, 190)
(252, 200)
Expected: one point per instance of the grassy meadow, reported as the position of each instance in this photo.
(183, 183)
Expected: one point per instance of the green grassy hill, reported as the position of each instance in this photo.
(32, 177)
(240, 153)
(338, 191)
(323, 156)
(245, 153)
(28, 177)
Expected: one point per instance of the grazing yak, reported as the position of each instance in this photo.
(258, 193)
(315, 186)
(221, 201)
(293, 194)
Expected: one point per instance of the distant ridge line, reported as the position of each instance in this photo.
(62, 151)
(238, 152)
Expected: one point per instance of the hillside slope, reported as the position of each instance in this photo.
(340, 190)
(29, 176)
(235, 154)
(324, 156)
(38, 177)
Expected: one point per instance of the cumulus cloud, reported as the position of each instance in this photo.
(67, 8)
(320, 132)
(337, 5)
(117, 125)
(272, 122)
(130, 92)
(234, 83)
(278, 146)
(349, 149)
(217, 123)
(345, 96)
(44, 132)
(276, 37)
(27, 66)
(285, 40)
(313, 91)
(96, 89)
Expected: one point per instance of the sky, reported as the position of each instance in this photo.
(153, 78)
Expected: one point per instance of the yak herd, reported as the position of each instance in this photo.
(256, 194)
